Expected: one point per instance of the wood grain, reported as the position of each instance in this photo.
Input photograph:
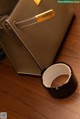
(24, 97)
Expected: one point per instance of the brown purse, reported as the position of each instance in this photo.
(32, 34)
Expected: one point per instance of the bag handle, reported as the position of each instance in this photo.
(36, 19)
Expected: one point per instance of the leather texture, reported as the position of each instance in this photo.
(41, 41)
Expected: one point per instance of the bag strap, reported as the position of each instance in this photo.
(36, 19)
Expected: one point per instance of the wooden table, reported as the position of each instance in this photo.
(24, 97)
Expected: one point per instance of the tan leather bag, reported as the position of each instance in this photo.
(34, 34)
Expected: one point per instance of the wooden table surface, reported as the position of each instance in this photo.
(24, 97)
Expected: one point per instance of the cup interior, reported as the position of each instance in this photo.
(54, 72)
